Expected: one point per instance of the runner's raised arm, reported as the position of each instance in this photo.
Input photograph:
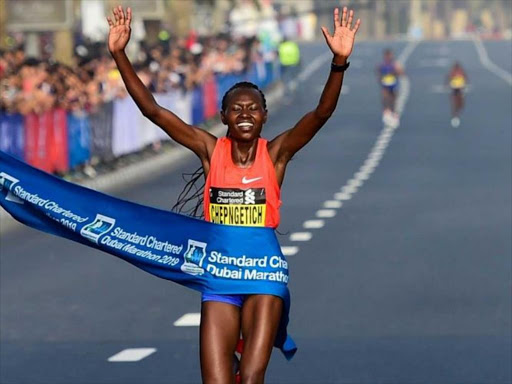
(196, 139)
(284, 146)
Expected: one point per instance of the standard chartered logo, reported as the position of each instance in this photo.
(249, 197)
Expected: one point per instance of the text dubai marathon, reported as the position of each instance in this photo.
(247, 274)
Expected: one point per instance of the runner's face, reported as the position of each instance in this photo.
(244, 114)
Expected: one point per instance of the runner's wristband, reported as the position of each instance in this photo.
(339, 68)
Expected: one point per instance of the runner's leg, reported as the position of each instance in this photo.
(219, 334)
(385, 99)
(260, 319)
(460, 102)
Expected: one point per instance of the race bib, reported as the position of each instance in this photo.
(457, 82)
(388, 80)
(233, 206)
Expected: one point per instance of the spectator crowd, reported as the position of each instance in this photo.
(59, 117)
(30, 85)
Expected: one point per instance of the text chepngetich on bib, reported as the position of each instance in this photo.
(207, 257)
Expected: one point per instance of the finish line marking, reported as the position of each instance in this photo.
(131, 355)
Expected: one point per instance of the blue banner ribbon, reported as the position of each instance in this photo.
(207, 257)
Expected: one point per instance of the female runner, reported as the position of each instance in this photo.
(457, 81)
(388, 73)
(243, 177)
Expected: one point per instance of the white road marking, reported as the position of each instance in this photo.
(355, 183)
(404, 55)
(377, 153)
(372, 162)
(188, 320)
(342, 196)
(289, 251)
(315, 64)
(368, 169)
(487, 63)
(301, 236)
(326, 213)
(369, 163)
(313, 224)
(349, 189)
(362, 175)
(131, 355)
(333, 204)
(382, 143)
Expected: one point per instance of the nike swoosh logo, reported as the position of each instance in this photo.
(247, 181)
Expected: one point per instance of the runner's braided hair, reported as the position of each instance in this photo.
(190, 200)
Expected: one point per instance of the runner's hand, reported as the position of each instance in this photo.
(119, 33)
(342, 40)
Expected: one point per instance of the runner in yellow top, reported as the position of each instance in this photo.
(457, 81)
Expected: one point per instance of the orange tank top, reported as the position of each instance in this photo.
(241, 196)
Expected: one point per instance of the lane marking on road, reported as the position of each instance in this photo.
(301, 236)
(342, 196)
(289, 250)
(381, 143)
(188, 320)
(355, 183)
(487, 63)
(313, 224)
(350, 189)
(367, 168)
(315, 65)
(361, 175)
(404, 55)
(131, 355)
(333, 204)
(326, 213)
